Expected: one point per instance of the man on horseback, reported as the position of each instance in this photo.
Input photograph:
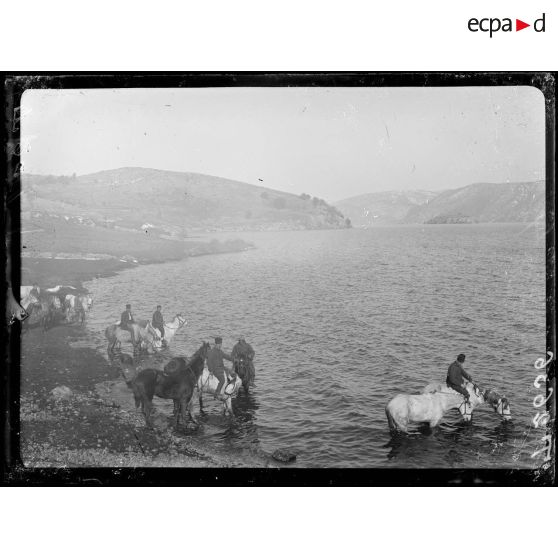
(216, 365)
(159, 323)
(126, 322)
(456, 373)
(243, 349)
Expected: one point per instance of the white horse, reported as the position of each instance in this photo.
(207, 383)
(499, 403)
(27, 300)
(404, 410)
(170, 327)
(58, 287)
(145, 337)
(77, 305)
(25, 290)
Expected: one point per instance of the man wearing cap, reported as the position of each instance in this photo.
(456, 373)
(159, 323)
(243, 349)
(126, 321)
(215, 363)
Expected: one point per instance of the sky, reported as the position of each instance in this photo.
(333, 143)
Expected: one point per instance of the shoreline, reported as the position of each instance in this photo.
(89, 426)
(48, 272)
(92, 427)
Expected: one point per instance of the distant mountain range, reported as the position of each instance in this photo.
(174, 204)
(476, 203)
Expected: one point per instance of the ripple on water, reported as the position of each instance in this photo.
(343, 320)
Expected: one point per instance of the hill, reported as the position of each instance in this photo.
(382, 208)
(476, 203)
(174, 204)
(485, 203)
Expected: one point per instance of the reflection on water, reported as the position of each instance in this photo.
(341, 321)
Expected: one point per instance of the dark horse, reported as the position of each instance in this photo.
(176, 381)
(244, 368)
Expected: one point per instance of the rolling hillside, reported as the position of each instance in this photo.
(485, 203)
(172, 203)
(476, 203)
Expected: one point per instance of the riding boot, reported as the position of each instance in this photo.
(219, 388)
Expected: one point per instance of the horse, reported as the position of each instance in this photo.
(176, 381)
(170, 328)
(25, 290)
(145, 337)
(77, 305)
(208, 382)
(404, 409)
(44, 311)
(499, 403)
(27, 303)
(28, 300)
(244, 368)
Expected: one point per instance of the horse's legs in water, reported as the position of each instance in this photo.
(227, 407)
(190, 409)
(201, 401)
(178, 411)
(147, 408)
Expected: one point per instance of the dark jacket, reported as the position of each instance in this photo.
(243, 349)
(157, 320)
(126, 318)
(456, 373)
(215, 358)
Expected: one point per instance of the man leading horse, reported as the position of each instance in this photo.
(216, 365)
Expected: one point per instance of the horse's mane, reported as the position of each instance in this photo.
(197, 354)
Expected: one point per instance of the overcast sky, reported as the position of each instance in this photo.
(332, 143)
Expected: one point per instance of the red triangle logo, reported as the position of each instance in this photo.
(519, 25)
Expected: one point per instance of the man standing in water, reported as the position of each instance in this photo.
(215, 363)
(159, 323)
(243, 349)
(126, 321)
(456, 373)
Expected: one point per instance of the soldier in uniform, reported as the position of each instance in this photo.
(126, 321)
(215, 363)
(456, 373)
(159, 323)
(243, 349)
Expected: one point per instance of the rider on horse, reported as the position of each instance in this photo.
(243, 349)
(216, 365)
(159, 323)
(456, 373)
(126, 321)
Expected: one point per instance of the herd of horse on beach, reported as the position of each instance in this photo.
(48, 304)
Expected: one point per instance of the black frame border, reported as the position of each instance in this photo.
(11, 468)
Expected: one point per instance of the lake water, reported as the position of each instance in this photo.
(342, 320)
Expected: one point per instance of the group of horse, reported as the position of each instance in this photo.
(145, 338)
(178, 380)
(405, 412)
(60, 301)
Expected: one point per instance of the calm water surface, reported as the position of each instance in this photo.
(341, 321)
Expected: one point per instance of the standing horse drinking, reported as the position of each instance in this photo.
(404, 410)
(177, 382)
